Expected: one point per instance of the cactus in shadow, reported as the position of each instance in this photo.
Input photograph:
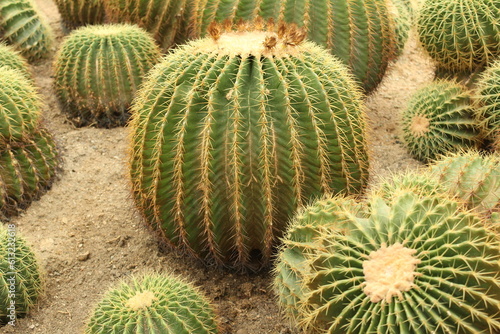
(415, 265)
(22, 27)
(11, 58)
(439, 119)
(20, 277)
(231, 133)
(153, 304)
(76, 13)
(98, 70)
(460, 35)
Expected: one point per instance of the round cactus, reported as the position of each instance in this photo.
(471, 177)
(153, 304)
(488, 102)
(439, 119)
(416, 265)
(10, 58)
(402, 11)
(163, 19)
(76, 13)
(20, 277)
(359, 32)
(97, 85)
(460, 35)
(22, 26)
(233, 132)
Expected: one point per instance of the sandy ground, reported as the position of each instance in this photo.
(88, 234)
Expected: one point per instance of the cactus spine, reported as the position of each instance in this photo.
(97, 86)
(487, 97)
(359, 32)
(153, 304)
(460, 35)
(20, 282)
(22, 26)
(386, 272)
(232, 133)
(11, 58)
(439, 119)
(76, 13)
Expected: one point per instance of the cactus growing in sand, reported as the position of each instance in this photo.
(98, 70)
(439, 119)
(231, 133)
(22, 27)
(153, 304)
(75, 13)
(415, 265)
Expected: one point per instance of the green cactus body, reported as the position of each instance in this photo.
(402, 11)
(416, 265)
(11, 58)
(153, 304)
(488, 102)
(471, 177)
(76, 13)
(460, 35)
(98, 70)
(22, 27)
(231, 136)
(20, 277)
(359, 32)
(439, 119)
(162, 18)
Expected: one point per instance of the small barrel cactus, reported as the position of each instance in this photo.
(20, 276)
(163, 19)
(11, 58)
(76, 13)
(402, 12)
(22, 27)
(359, 32)
(439, 119)
(98, 70)
(415, 265)
(231, 133)
(488, 102)
(153, 304)
(471, 177)
(460, 35)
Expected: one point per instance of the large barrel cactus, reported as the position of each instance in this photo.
(22, 26)
(460, 35)
(98, 70)
(440, 119)
(162, 18)
(359, 32)
(76, 13)
(488, 103)
(233, 132)
(20, 276)
(412, 265)
(153, 304)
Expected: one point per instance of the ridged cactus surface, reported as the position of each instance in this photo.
(20, 282)
(359, 32)
(11, 58)
(419, 182)
(76, 13)
(460, 35)
(488, 102)
(415, 265)
(153, 304)
(231, 135)
(98, 70)
(439, 119)
(403, 14)
(162, 18)
(22, 26)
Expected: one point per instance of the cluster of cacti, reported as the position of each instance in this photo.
(416, 264)
(418, 182)
(359, 32)
(11, 58)
(163, 19)
(20, 277)
(439, 119)
(22, 27)
(76, 13)
(460, 35)
(98, 70)
(488, 102)
(153, 304)
(28, 159)
(231, 133)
